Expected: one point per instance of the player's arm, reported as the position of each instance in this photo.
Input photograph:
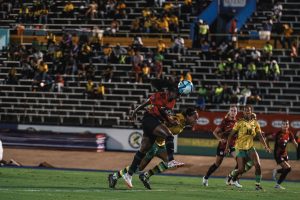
(167, 118)
(229, 139)
(293, 140)
(263, 141)
(143, 105)
(216, 133)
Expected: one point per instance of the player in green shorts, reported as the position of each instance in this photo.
(158, 149)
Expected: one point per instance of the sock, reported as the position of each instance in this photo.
(157, 169)
(234, 174)
(211, 170)
(258, 179)
(248, 165)
(120, 173)
(283, 175)
(170, 147)
(136, 162)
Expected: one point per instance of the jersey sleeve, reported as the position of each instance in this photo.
(257, 127)
(237, 126)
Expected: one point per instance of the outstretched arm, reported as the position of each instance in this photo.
(143, 105)
(263, 141)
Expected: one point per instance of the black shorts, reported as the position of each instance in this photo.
(281, 158)
(149, 123)
(221, 149)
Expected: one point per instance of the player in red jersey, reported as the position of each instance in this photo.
(157, 108)
(221, 133)
(280, 152)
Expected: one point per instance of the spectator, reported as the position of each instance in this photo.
(59, 83)
(238, 71)
(268, 50)
(278, 30)
(255, 96)
(163, 25)
(251, 71)
(255, 55)
(89, 89)
(137, 43)
(100, 91)
(12, 78)
(267, 29)
(235, 97)
(233, 30)
(178, 45)
(275, 70)
(277, 11)
(107, 74)
(51, 39)
(107, 53)
(145, 73)
(227, 93)
(135, 26)
(114, 27)
(157, 69)
(294, 50)
(92, 10)
(218, 94)
(120, 12)
(119, 53)
(266, 70)
(245, 93)
(174, 23)
(203, 30)
(287, 30)
(161, 46)
(68, 11)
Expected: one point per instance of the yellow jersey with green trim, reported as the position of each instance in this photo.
(174, 129)
(246, 131)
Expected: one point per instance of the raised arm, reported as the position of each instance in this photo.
(143, 105)
(229, 139)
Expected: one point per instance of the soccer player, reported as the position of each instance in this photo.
(157, 108)
(221, 133)
(1, 151)
(280, 152)
(246, 129)
(158, 149)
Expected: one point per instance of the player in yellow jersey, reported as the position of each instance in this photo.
(246, 129)
(158, 149)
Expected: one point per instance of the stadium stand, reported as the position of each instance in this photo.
(23, 101)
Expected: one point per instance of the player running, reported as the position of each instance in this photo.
(221, 133)
(280, 152)
(158, 107)
(158, 149)
(246, 128)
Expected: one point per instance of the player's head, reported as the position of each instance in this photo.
(232, 112)
(173, 92)
(285, 124)
(247, 111)
(191, 116)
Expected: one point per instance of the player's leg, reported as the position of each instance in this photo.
(164, 132)
(162, 166)
(256, 162)
(1, 151)
(146, 144)
(285, 169)
(241, 160)
(228, 180)
(212, 169)
(113, 178)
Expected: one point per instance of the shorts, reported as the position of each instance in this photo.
(281, 158)
(149, 123)
(221, 149)
(244, 153)
(155, 150)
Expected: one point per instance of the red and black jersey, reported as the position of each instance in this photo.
(226, 127)
(281, 140)
(160, 100)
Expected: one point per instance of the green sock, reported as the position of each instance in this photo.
(248, 165)
(258, 179)
(120, 173)
(157, 169)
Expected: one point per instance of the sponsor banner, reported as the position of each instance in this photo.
(116, 139)
(270, 123)
(234, 3)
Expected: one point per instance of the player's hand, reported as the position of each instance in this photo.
(223, 141)
(132, 116)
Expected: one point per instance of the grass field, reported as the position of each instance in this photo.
(43, 184)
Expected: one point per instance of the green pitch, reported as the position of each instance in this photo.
(36, 184)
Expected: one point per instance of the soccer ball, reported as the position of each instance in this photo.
(185, 87)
